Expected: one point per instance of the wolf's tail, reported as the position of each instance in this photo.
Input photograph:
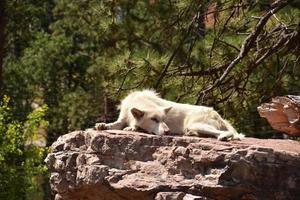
(235, 134)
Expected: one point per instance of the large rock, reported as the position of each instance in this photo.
(283, 114)
(114, 165)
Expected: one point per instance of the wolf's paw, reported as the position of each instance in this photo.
(101, 126)
(222, 138)
(225, 136)
(129, 128)
(239, 136)
(191, 133)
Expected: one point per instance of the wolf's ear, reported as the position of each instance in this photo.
(167, 109)
(137, 113)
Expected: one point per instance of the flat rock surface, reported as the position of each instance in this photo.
(129, 165)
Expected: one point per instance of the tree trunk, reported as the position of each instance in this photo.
(283, 114)
(2, 37)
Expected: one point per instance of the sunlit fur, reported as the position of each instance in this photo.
(145, 110)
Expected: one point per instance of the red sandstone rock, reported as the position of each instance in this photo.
(115, 165)
(283, 114)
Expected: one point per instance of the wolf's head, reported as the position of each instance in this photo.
(151, 121)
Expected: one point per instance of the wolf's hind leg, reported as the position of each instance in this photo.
(197, 129)
(117, 125)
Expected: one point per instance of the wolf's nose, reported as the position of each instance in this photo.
(167, 131)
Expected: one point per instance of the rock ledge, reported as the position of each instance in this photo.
(105, 165)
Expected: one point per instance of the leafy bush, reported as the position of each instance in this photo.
(21, 161)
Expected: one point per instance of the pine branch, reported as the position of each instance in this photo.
(247, 45)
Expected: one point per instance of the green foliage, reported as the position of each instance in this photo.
(21, 162)
(81, 57)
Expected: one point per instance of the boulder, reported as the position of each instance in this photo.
(106, 165)
(283, 114)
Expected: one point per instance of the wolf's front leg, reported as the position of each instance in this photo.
(110, 126)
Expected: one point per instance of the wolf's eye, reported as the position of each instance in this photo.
(155, 119)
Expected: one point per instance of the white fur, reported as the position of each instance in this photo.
(145, 110)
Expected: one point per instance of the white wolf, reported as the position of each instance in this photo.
(146, 111)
